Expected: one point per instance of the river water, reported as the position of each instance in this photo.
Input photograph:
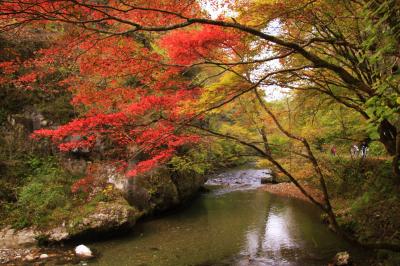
(236, 224)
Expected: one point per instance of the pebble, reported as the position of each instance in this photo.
(29, 257)
(17, 256)
(7, 255)
(43, 256)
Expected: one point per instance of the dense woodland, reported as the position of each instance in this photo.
(142, 85)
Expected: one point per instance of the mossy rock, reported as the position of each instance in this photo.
(159, 191)
(104, 217)
(93, 218)
(162, 189)
(187, 184)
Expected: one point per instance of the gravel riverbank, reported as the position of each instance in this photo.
(290, 190)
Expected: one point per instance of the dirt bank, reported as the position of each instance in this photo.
(290, 190)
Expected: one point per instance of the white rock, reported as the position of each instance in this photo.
(29, 257)
(83, 251)
(43, 256)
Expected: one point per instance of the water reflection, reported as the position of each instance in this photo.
(291, 234)
(275, 241)
(277, 231)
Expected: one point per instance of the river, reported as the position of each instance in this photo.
(233, 224)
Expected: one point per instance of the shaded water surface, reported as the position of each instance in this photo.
(238, 227)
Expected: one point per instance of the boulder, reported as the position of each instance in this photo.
(161, 190)
(83, 251)
(187, 184)
(270, 178)
(105, 217)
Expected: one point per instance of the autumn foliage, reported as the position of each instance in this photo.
(130, 89)
(187, 46)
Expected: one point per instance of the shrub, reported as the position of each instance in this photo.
(47, 189)
(376, 149)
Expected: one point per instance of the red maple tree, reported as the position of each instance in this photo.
(130, 88)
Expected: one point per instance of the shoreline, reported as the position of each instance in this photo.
(290, 190)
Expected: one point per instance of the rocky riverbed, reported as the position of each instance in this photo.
(38, 256)
(242, 179)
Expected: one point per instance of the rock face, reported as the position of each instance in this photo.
(30, 119)
(162, 190)
(11, 238)
(187, 184)
(156, 191)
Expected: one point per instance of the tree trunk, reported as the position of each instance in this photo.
(390, 138)
(396, 159)
(265, 140)
(387, 135)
